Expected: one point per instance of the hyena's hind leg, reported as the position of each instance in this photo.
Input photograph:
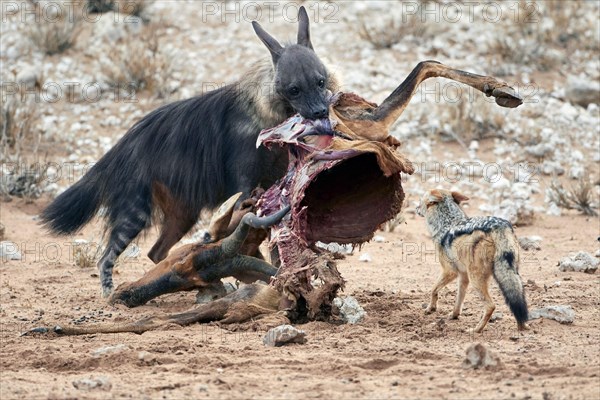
(127, 222)
(178, 219)
(173, 229)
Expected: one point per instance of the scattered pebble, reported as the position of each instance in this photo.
(561, 313)
(100, 383)
(379, 239)
(284, 334)
(498, 315)
(110, 350)
(582, 91)
(530, 242)
(365, 257)
(478, 356)
(350, 310)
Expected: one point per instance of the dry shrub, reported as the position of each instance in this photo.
(85, 254)
(391, 30)
(17, 133)
(55, 35)
(140, 64)
(542, 30)
(471, 119)
(137, 8)
(17, 119)
(578, 197)
(100, 6)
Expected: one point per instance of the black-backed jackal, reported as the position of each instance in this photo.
(473, 249)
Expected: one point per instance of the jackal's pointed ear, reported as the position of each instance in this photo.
(435, 196)
(459, 197)
(272, 44)
(304, 29)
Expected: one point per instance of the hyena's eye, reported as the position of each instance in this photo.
(294, 91)
(321, 83)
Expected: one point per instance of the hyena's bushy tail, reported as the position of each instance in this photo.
(506, 273)
(75, 207)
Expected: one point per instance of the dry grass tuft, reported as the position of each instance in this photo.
(17, 132)
(140, 64)
(578, 197)
(55, 35)
(391, 31)
(85, 254)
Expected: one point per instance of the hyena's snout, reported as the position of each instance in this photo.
(319, 112)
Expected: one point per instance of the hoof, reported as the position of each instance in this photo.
(429, 310)
(507, 97)
(452, 316)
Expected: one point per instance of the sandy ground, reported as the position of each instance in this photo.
(395, 352)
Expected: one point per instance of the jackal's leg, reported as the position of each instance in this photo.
(392, 107)
(447, 276)
(481, 285)
(463, 283)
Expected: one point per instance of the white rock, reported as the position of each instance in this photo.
(350, 310)
(100, 383)
(9, 251)
(365, 257)
(378, 239)
(110, 350)
(580, 262)
(582, 91)
(28, 77)
(284, 334)
(530, 242)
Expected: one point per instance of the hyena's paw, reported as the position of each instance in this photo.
(524, 327)
(107, 291)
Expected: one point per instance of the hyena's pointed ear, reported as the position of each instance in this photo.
(304, 29)
(272, 44)
(459, 197)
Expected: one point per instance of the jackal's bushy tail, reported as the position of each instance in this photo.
(506, 260)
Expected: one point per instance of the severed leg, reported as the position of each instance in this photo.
(245, 303)
(392, 107)
(199, 265)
